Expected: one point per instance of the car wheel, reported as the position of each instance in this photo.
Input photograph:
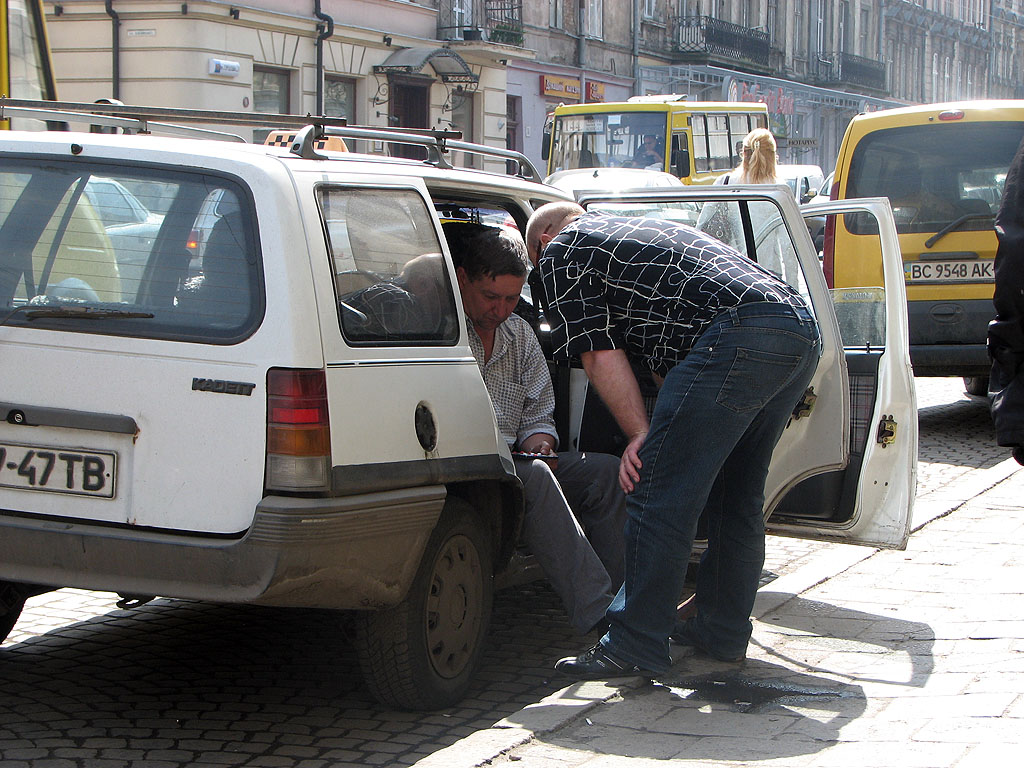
(423, 653)
(976, 385)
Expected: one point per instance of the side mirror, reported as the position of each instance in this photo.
(545, 144)
(809, 195)
(682, 163)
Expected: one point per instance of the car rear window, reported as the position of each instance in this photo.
(934, 174)
(146, 252)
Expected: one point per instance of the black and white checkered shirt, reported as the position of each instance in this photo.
(517, 380)
(647, 286)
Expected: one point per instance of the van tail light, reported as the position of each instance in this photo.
(828, 253)
(298, 431)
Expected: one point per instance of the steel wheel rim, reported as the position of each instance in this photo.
(454, 607)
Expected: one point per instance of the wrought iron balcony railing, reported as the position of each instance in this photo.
(848, 69)
(856, 70)
(720, 39)
(499, 21)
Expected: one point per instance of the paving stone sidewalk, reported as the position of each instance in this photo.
(860, 658)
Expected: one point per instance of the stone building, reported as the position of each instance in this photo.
(495, 69)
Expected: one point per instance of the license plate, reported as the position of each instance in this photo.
(58, 470)
(953, 271)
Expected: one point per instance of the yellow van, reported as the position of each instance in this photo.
(943, 167)
(701, 136)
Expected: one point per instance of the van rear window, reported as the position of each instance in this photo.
(127, 251)
(934, 174)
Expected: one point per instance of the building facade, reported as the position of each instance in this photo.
(495, 69)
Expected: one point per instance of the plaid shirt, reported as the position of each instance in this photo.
(648, 286)
(517, 380)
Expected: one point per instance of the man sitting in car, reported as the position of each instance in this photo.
(575, 509)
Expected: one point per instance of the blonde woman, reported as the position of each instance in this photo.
(722, 220)
(758, 160)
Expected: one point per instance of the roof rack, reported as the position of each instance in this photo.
(310, 128)
(438, 144)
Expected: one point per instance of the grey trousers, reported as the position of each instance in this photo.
(574, 527)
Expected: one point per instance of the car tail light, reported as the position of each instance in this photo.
(193, 241)
(298, 430)
(828, 251)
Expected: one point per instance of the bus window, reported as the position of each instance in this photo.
(700, 143)
(719, 148)
(739, 127)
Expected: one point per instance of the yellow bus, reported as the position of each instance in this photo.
(26, 71)
(701, 136)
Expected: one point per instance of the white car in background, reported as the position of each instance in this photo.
(804, 180)
(609, 179)
(618, 181)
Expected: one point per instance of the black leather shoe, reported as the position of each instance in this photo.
(597, 664)
(681, 635)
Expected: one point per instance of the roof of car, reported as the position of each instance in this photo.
(788, 171)
(201, 151)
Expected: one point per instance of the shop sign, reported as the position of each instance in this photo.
(560, 87)
(778, 100)
(595, 91)
(803, 143)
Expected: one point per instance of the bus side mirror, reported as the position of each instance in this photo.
(545, 144)
(682, 163)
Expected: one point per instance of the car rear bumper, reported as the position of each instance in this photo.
(342, 553)
(947, 338)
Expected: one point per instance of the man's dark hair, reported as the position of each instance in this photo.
(484, 251)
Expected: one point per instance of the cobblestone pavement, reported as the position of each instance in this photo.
(175, 683)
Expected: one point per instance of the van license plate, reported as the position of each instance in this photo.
(966, 271)
(58, 470)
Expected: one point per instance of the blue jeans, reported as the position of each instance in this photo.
(719, 415)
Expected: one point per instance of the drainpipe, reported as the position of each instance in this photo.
(581, 44)
(115, 75)
(636, 48)
(322, 34)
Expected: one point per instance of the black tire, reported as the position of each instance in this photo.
(423, 653)
(976, 385)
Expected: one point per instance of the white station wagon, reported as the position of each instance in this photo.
(277, 403)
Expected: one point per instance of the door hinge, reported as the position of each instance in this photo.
(806, 404)
(886, 431)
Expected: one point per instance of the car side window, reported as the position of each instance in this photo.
(391, 283)
(773, 246)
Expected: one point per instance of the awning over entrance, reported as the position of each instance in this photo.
(447, 64)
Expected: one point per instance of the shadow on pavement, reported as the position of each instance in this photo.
(792, 698)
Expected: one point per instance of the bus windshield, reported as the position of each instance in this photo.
(627, 139)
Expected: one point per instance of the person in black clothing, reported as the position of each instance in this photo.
(734, 348)
(647, 153)
(1006, 332)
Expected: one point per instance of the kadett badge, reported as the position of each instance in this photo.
(223, 387)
